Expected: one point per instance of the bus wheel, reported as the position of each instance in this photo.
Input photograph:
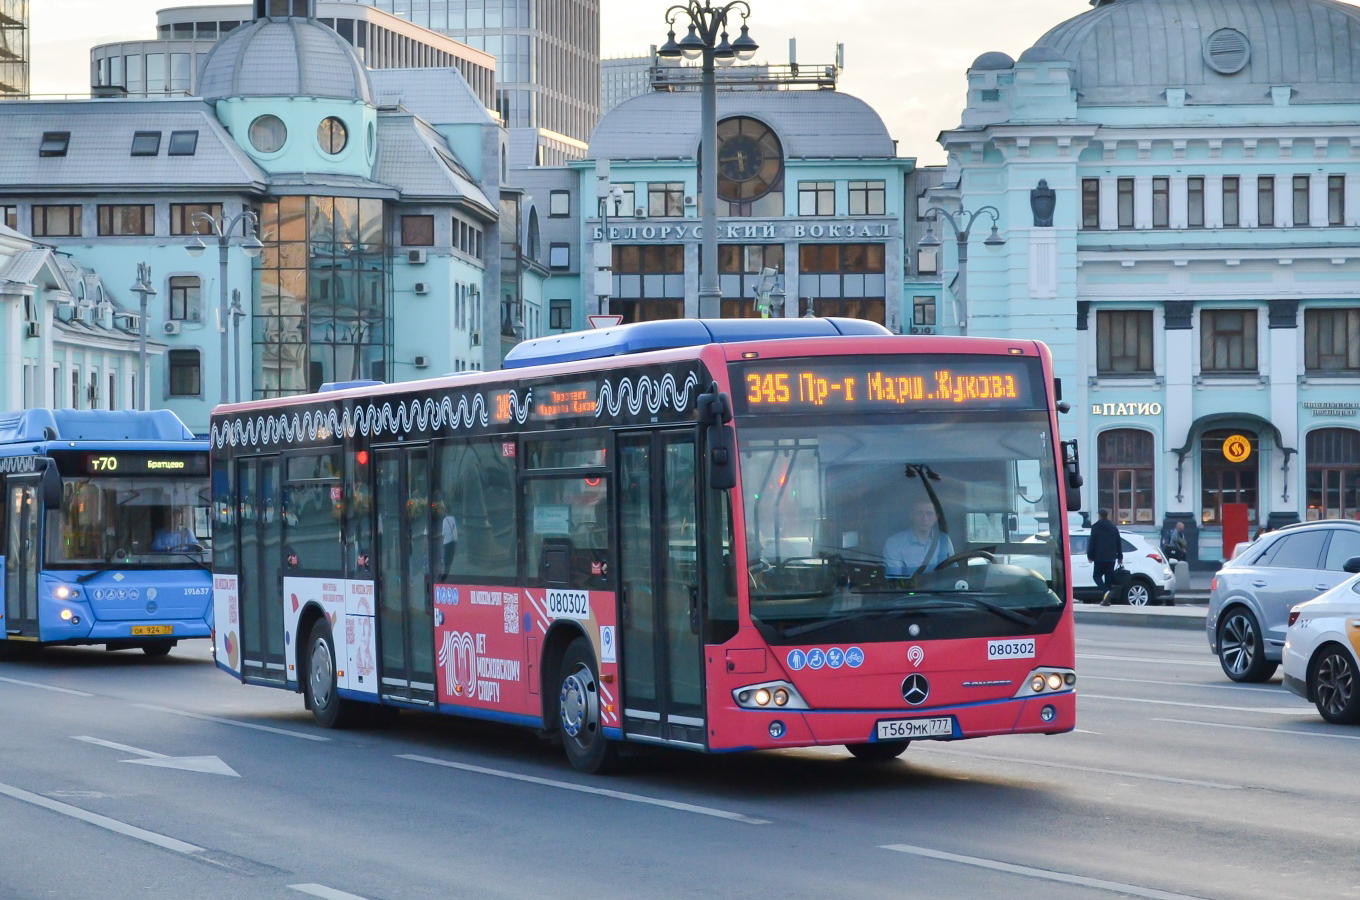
(321, 687)
(881, 751)
(155, 650)
(578, 712)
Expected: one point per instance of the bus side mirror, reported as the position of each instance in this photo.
(720, 439)
(1072, 471)
(51, 486)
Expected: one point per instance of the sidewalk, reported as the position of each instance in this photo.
(1189, 612)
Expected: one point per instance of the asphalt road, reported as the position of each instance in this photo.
(122, 776)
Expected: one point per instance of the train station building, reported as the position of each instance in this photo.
(1179, 188)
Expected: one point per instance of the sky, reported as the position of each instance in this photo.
(906, 58)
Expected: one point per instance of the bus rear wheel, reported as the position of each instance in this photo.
(155, 650)
(880, 751)
(578, 712)
(323, 695)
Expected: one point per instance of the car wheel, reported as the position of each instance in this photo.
(881, 751)
(1241, 648)
(1140, 592)
(1335, 686)
(578, 712)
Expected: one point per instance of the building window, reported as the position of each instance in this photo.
(741, 269)
(1222, 481)
(1124, 342)
(184, 373)
(1125, 198)
(146, 143)
(1333, 473)
(183, 143)
(666, 199)
(1090, 203)
(75, 388)
(1331, 341)
(559, 256)
(54, 143)
(121, 221)
(1227, 341)
(417, 231)
(628, 205)
(1265, 201)
(559, 204)
(182, 219)
(816, 198)
(332, 135)
(559, 315)
(1194, 202)
(1232, 201)
(649, 282)
(1161, 202)
(1336, 199)
(1301, 201)
(923, 312)
(868, 198)
(186, 298)
(1127, 476)
(56, 221)
(9, 215)
(113, 391)
(842, 280)
(268, 133)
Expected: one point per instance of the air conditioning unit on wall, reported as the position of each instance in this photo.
(34, 329)
(415, 257)
(421, 362)
(171, 327)
(422, 287)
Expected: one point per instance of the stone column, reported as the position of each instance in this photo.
(1283, 356)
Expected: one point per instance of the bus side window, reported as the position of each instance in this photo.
(476, 510)
(568, 518)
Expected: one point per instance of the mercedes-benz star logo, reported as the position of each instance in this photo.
(915, 689)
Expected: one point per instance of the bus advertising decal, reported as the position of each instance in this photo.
(360, 640)
(18, 465)
(226, 619)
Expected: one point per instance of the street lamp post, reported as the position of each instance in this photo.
(143, 289)
(224, 230)
(237, 314)
(604, 253)
(708, 39)
(961, 236)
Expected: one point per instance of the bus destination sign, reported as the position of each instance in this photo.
(125, 464)
(879, 384)
(549, 402)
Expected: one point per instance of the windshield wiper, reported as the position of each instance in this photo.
(1002, 611)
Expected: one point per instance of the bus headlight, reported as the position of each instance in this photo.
(66, 615)
(769, 695)
(63, 592)
(1047, 681)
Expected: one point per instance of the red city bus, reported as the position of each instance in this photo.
(715, 535)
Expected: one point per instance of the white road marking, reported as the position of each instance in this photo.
(221, 721)
(1190, 684)
(1161, 661)
(123, 748)
(132, 831)
(320, 890)
(1073, 767)
(46, 687)
(204, 765)
(1317, 734)
(996, 865)
(583, 789)
(1084, 731)
(1274, 711)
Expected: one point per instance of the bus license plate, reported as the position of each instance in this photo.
(140, 630)
(899, 729)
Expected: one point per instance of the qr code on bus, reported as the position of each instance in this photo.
(510, 605)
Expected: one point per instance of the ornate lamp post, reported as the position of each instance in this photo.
(224, 230)
(961, 236)
(143, 289)
(707, 39)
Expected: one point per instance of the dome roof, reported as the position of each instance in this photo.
(1041, 54)
(1128, 52)
(284, 57)
(993, 59)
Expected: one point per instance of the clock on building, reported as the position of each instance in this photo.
(750, 159)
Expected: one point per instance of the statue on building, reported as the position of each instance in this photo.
(1042, 201)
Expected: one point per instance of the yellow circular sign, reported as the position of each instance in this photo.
(1237, 448)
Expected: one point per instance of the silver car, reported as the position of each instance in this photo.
(1252, 594)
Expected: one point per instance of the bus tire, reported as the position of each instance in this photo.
(157, 650)
(578, 712)
(323, 696)
(877, 752)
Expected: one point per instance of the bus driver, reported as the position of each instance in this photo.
(921, 547)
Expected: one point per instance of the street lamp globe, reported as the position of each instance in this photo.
(196, 247)
(930, 241)
(670, 51)
(692, 46)
(745, 45)
(252, 247)
(994, 239)
(723, 54)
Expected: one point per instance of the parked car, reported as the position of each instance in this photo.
(1151, 580)
(1252, 593)
(1322, 650)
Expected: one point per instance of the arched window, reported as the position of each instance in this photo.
(1333, 473)
(1127, 475)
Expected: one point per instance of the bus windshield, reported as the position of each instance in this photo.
(130, 521)
(888, 530)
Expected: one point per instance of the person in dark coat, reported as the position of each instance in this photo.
(1105, 550)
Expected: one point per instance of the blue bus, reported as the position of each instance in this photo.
(104, 530)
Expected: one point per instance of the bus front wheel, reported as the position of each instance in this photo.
(323, 696)
(578, 712)
(880, 751)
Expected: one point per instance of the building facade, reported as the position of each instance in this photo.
(1179, 188)
(14, 48)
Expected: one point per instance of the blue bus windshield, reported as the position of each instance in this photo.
(130, 521)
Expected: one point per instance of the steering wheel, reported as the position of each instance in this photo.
(976, 553)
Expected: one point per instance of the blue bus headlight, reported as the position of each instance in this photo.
(62, 592)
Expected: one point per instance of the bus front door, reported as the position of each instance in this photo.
(659, 576)
(23, 531)
(261, 581)
(405, 603)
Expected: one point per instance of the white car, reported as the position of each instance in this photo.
(1322, 651)
(1152, 581)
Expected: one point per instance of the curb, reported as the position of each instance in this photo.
(1183, 619)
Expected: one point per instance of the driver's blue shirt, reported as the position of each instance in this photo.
(173, 540)
(904, 552)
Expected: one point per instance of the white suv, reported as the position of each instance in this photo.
(1152, 582)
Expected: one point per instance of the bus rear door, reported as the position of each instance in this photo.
(261, 583)
(23, 533)
(405, 608)
(662, 654)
